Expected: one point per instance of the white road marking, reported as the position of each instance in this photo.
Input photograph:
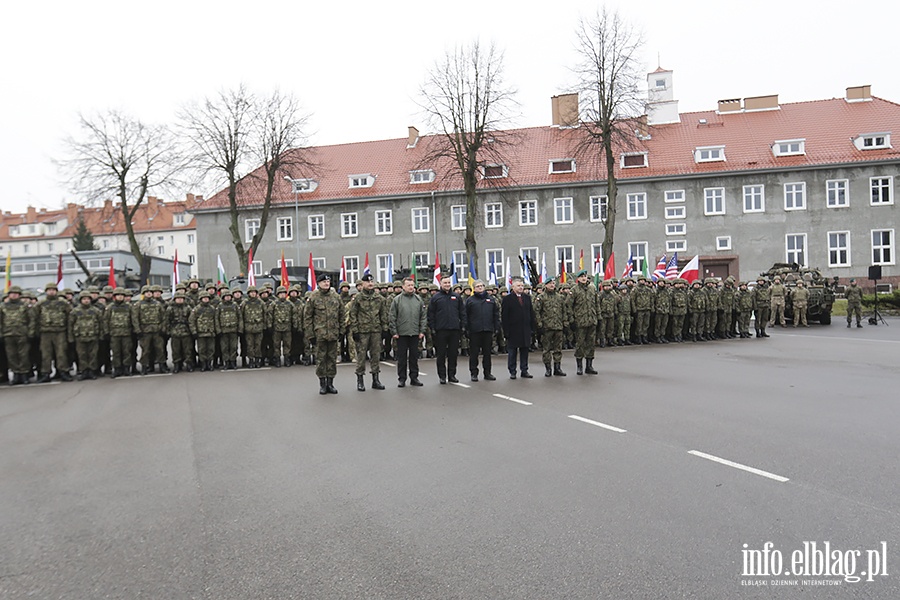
(739, 466)
(511, 399)
(842, 339)
(597, 423)
(462, 385)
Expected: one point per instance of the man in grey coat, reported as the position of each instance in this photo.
(408, 321)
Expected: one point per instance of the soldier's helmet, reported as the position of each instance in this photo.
(252, 288)
(68, 291)
(51, 286)
(156, 288)
(180, 294)
(107, 289)
(607, 283)
(145, 288)
(210, 286)
(777, 278)
(203, 294)
(180, 286)
(709, 280)
(226, 293)
(93, 289)
(119, 291)
(281, 290)
(697, 282)
(14, 289)
(82, 295)
(236, 290)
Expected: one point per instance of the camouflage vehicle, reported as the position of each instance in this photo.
(124, 278)
(821, 289)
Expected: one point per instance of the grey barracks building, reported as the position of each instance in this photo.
(749, 184)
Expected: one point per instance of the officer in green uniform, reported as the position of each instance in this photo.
(608, 301)
(584, 311)
(52, 320)
(368, 320)
(17, 325)
(679, 307)
(118, 328)
(324, 320)
(641, 305)
(551, 312)
(345, 332)
(267, 347)
(284, 319)
(663, 306)
(697, 306)
(253, 312)
(178, 317)
(854, 303)
(726, 309)
(149, 320)
(743, 301)
(85, 329)
(712, 307)
(761, 306)
(229, 324)
(203, 328)
(623, 311)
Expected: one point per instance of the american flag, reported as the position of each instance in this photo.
(672, 267)
(629, 267)
(660, 271)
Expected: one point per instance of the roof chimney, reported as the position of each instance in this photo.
(413, 138)
(564, 110)
(860, 93)
(730, 105)
(642, 130)
(71, 212)
(151, 202)
(31, 215)
(761, 102)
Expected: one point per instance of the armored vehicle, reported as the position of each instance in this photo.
(821, 290)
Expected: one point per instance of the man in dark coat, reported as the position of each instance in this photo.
(517, 317)
(447, 319)
(482, 320)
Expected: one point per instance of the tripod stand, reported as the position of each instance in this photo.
(876, 316)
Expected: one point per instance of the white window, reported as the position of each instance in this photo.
(316, 227)
(675, 212)
(421, 176)
(883, 247)
(660, 84)
(789, 147)
(565, 255)
(362, 180)
(631, 160)
(32, 229)
(882, 190)
(422, 259)
(599, 208)
(709, 154)
(179, 219)
(351, 267)
(565, 165)
(493, 215)
(251, 226)
(384, 224)
(676, 245)
(106, 244)
(421, 220)
(795, 248)
(836, 193)
(597, 258)
(458, 217)
(714, 201)
(319, 264)
(495, 171)
(460, 265)
(190, 238)
(257, 267)
(637, 206)
(795, 196)
(288, 262)
(528, 212)
(638, 252)
(285, 227)
(838, 248)
(49, 246)
(723, 242)
(494, 259)
(349, 225)
(190, 259)
(872, 141)
(676, 229)
(532, 254)
(562, 210)
(303, 186)
(754, 198)
(674, 196)
(384, 264)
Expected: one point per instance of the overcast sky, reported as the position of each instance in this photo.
(357, 66)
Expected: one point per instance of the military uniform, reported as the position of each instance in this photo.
(203, 328)
(623, 314)
(552, 315)
(799, 303)
(52, 319)
(743, 302)
(854, 295)
(712, 307)
(178, 316)
(726, 309)
(761, 306)
(229, 324)
(697, 305)
(284, 319)
(608, 301)
(85, 329)
(117, 326)
(253, 311)
(642, 305)
(679, 304)
(663, 308)
(148, 318)
(584, 310)
(323, 322)
(17, 325)
(368, 320)
(777, 294)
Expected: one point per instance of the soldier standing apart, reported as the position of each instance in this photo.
(229, 324)
(16, 326)
(203, 328)
(761, 303)
(52, 320)
(482, 321)
(447, 320)
(117, 325)
(284, 319)
(517, 319)
(551, 313)
(85, 329)
(324, 323)
(148, 318)
(799, 302)
(368, 320)
(854, 303)
(178, 317)
(777, 294)
(585, 311)
(408, 322)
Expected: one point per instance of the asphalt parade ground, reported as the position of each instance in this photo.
(728, 469)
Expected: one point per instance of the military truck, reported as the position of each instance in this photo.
(821, 290)
(125, 278)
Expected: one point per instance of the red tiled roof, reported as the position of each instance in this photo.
(828, 126)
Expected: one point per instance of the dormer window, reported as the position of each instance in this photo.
(634, 159)
(564, 165)
(421, 176)
(789, 147)
(179, 219)
(495, 171)
(303, 186)
(872, 141)
(362, 181)
(709, 154)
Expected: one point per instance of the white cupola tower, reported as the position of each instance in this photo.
(661, 104)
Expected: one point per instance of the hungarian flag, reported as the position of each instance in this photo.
(343, 269)
(366, 270)
(221, 269)
(312, 274)
(691, 271)
(112, 273)
(437, 269)
(672, 267)
(59, 274)
(175, 279)
(284, 274)
(610, 271)
(629, 267)
(251, 278)
(660, 271)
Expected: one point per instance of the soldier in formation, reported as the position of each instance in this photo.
(324, 322)
(367, 321)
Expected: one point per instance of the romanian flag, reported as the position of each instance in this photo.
(284, 274)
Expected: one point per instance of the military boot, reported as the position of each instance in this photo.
(549, 371)
(91, 374)
(557, 370)
(323, 387)
(44, 378)
(360, 385)
(189, 366)
(114, 373)
(288, 361)
(81, 376)
(376, 384)
(176, 366)
(329, 385)
(163, 367)
(589, 367)
(579, 367)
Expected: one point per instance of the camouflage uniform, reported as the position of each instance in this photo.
(679, 302)
(17, 325)
(85, 329)
(203, 327)
(323, 320)
(624, 314)
(368, 320)
(697, 305)
(584, 310)
(744, 303)
(608, 301)
(118, 327)
(345, 346)
(854, 295)
(642, 304)
(52, 321)
(761, 306)
(148, 318)
(799, 303)
(726, 309)
(552, 315)
(229, 324)
(253, 313)
(712, 307)
(777, 293)
(663, 307)
(178, 326)
(267, 343)
(284, 319)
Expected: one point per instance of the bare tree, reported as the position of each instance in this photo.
(467, 103)
(117, 155)
(609, 92)
(231, 134)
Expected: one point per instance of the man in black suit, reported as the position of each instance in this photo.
(517, 318)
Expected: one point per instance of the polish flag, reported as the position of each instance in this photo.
(175, 279)
(343, 270)
(251, 278)
(112, 273)
(312, 274)
(691, 271)
(59, 275)
(437, 269)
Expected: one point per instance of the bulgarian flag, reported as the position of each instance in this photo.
(284, 274)
(221, 268)
(413, 273)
